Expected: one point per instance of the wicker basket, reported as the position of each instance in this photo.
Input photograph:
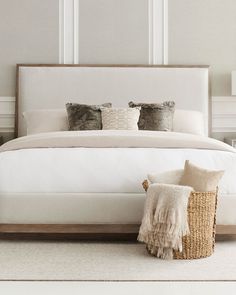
(202, 224)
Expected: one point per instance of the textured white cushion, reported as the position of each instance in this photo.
(188, 122)
(46, 120)
(120, 118)
(202, 180)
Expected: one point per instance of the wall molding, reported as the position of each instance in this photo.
(158, 31)
(7, 114)
(69, 31)
(223, 114)
(224, 123)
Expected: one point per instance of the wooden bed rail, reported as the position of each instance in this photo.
(84, 231)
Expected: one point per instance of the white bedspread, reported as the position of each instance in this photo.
(26, 165)
(116, 139)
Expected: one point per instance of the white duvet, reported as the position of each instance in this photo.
(106, 161)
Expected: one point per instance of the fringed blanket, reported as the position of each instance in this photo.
(165, 219)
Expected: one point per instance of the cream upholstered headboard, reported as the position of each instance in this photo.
(51, 86)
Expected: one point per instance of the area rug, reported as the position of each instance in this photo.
(94, 261)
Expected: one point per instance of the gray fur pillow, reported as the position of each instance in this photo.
(155, 116)
(85, 117)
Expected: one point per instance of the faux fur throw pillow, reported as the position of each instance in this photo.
(85, 117)
(202, 180)
(155, 116)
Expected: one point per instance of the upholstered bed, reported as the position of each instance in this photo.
(90, 181)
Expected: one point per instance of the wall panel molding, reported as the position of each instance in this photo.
(158, 31)
(69, 31)
(224, 114)
(7, 114)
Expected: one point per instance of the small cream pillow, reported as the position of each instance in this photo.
(45, 120)
(167, 177)
(202, 180)
(120, 118)
(189, 122)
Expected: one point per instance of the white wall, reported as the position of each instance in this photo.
(116, 31)
(113, 31)
(204, 32)
(110, 31)
(29, 33)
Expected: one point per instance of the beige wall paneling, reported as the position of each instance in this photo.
(29, 33)
(117, 32)
(7, 117)
(223, 114)
(204, 32)
(7, 114)
(112, 31)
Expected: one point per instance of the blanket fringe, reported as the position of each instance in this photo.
(165, 220)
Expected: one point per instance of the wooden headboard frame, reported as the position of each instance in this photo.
(107, 66)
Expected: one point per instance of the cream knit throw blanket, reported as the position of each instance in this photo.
(165, 219)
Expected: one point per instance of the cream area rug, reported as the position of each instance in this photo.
(96, 261)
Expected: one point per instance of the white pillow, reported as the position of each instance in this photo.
(120, 118)
(188, 122)
(168, 177)
(46, 120)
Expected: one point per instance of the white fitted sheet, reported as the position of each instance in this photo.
(81, 208)
(102, 170)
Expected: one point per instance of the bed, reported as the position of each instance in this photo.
(92, 184)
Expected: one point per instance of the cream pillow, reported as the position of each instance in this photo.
(202, 180)
(189, 122)
(120, 118)
(45, 120)
(167, 177)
